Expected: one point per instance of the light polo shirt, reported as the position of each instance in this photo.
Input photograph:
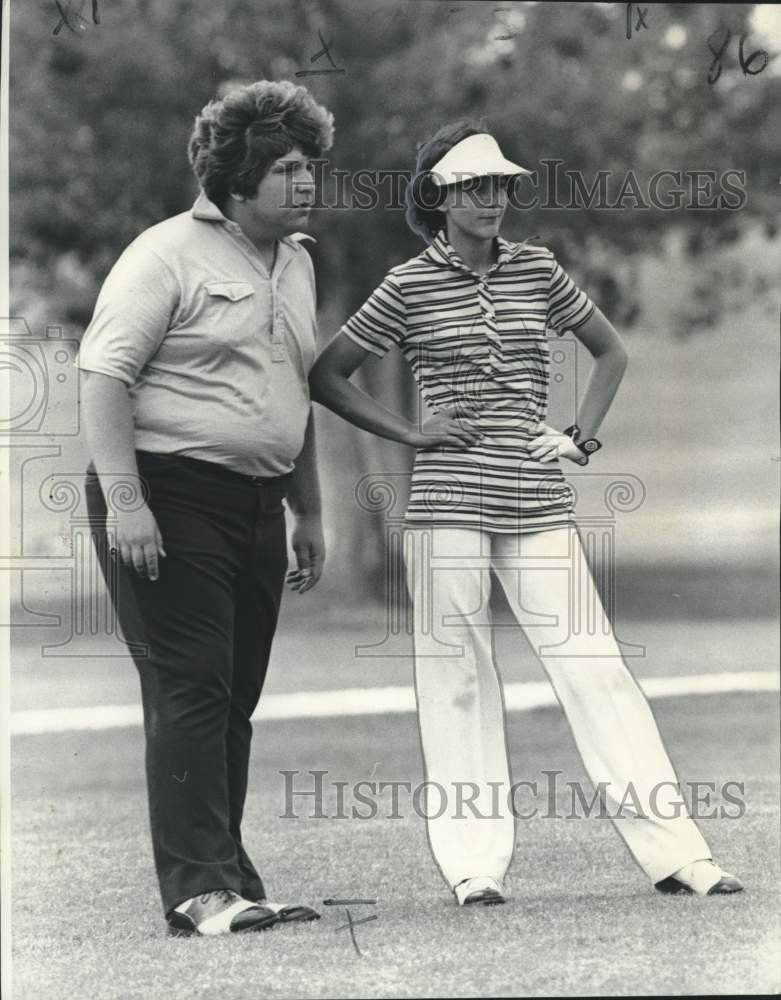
(479, 345)
(214, 350)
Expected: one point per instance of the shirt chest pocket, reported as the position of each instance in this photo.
(230, 311)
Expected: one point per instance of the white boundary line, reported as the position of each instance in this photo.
(518, 697)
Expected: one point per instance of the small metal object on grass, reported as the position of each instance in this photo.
(349, 902)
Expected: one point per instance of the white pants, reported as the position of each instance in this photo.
(461, 715)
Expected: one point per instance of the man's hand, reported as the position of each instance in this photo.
(138, 541)
(446, 429)
(551, 444)
(309, 547)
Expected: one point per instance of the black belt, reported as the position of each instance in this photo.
(215, 469)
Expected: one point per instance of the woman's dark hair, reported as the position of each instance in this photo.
(236, 139)
(423, 196)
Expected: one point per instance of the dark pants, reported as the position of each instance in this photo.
(200, 636)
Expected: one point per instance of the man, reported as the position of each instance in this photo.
(195, 370)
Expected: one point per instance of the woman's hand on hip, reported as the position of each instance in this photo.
(551, 444)
(446, 430)
(138, 541)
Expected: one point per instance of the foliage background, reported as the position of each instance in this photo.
(100, 116)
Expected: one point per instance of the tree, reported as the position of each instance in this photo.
(100, 119)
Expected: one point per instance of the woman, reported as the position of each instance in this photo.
(470, 314)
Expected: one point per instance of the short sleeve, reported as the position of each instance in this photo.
(380, 322)
(132, 315)
(568, 306)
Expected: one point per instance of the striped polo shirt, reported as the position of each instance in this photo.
(479, 345)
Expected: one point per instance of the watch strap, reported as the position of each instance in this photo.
(573, 431)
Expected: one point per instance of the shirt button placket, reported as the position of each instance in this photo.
(278, 346)
(489, 319)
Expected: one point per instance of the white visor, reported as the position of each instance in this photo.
(475, 156)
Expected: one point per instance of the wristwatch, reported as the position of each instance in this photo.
(587, 446)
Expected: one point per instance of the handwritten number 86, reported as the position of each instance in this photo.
(745, 64)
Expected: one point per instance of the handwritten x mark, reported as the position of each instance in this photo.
(66, 13)
(351, 925)
(355, 923)
(325, 51)
(641, 22)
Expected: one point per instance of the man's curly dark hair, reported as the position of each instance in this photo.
(236, 139)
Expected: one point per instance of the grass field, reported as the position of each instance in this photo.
(581, 918)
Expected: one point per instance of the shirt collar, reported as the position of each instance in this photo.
(441, 252)
(204, 208)
(295, 239)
